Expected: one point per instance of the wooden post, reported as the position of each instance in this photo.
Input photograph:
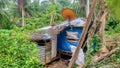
(54, 47)
(52, 18)
(23, 23)
(85, 30)
(102, 28)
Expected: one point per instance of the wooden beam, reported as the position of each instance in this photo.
(85, 30)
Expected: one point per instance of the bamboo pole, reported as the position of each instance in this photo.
(85, 30)
(52, 18)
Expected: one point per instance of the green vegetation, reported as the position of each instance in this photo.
(17, 51)
(44, 19)
(112, 32)
(15, 48)
(114, 8)
(18, 18)
(5, 22)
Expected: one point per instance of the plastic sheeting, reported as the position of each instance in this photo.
(62, 43)
(81, 58)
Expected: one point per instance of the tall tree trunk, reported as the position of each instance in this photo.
(21, 6)
(21, 10)
(82, 8)
(87, 7)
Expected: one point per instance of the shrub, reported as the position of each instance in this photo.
(16, 51)
(112, 23)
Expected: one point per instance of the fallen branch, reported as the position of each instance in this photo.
(112, 42)
(105, 55)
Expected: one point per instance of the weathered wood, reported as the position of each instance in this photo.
(103, 20)
(92, 30)
(48, 51)
(52, 18)
(65, 53)
(102, 14)
(54, 47)
(105, 55)
(95, 25)
(102, 28)
(85, 30)
(42, 54)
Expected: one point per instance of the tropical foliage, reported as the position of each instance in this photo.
(17, 51)
(15, 48)
(114, 7)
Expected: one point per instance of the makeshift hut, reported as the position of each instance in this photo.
(56, 40)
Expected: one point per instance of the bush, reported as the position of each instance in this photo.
(16, 51)
(112, 23)
(96, 44)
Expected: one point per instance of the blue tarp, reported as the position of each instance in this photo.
(62, 43)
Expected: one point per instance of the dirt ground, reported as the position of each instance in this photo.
(58, 64)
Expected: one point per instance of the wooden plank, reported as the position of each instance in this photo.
(48, 52)
(54, 47)
(42, 54)
(65, 52)
(85, 30)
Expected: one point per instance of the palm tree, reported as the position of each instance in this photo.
(21, 4)
(5, 22)
(3, 4)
